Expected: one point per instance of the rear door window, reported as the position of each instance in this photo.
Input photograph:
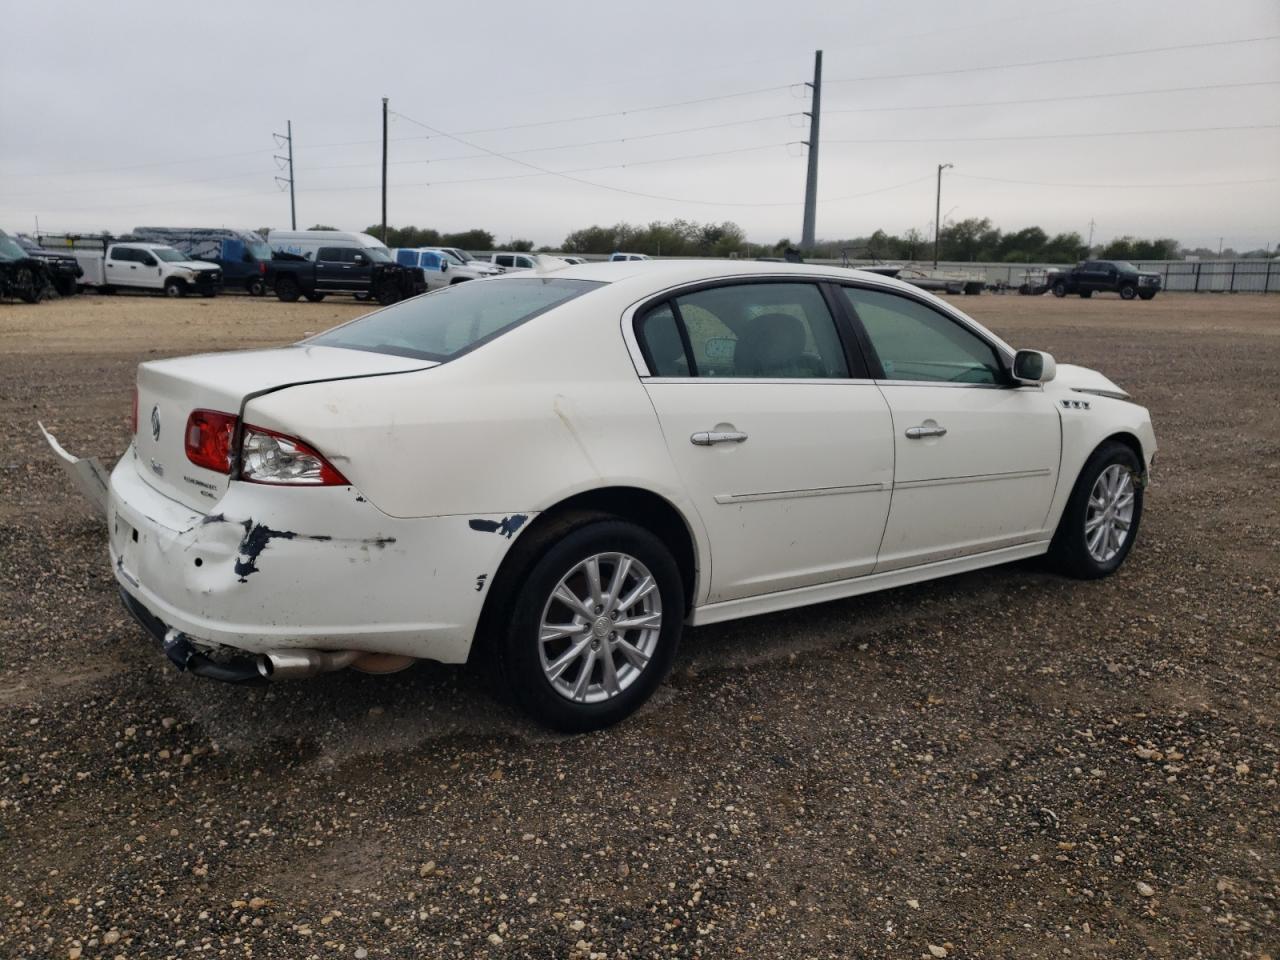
(760, 331)
(454, 319)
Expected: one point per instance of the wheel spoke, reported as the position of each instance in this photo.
(592, 570)
(584, 675)
(573, 601)
(609, 673)
(558, 666)
(642, 622)
(635, 656)
(558, 631)
(1095, 540)
(641, 590)
(1092, 524)
(616, 582)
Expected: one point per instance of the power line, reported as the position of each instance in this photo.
(1040, 63)
(618, 113)
(1060, 136)
(1121, 186)
(540, 172)
(1078, 96)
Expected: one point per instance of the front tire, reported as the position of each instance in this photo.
(1086, 294)
(315, 296)
(593, 626)
(174, 288)
(1128, 291)
(1059, 289)
(1147, 296)
(388, 293)
(1101, 519)
(256, 287)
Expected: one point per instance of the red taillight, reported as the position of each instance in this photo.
(270, 457)
(208, 439)
(133, 416)
(262, 267)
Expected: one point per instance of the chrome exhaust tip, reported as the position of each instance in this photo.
(296, 664)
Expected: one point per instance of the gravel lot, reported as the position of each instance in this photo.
(1002, 764)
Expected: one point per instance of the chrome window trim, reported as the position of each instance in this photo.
(867, 282)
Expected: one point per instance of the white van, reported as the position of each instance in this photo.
(307, 243)
(613, 257)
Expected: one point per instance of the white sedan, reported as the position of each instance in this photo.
(552, 473)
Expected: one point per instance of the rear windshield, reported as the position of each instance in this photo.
(453, 320)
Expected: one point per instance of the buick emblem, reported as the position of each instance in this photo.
(155, 422)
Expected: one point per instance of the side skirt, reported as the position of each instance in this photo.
(823, 592)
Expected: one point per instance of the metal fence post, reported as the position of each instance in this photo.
(1197, 289)
(1233, 277)
(1266, 283)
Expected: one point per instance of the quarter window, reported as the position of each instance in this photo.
(751, 330)
(122, 253)
(916, 342)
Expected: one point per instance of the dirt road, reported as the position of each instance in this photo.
(1002, 764)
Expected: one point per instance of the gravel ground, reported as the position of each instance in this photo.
(1001, 764)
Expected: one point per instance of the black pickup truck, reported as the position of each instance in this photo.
(1100, 276)
(64, 270)
(361, 272)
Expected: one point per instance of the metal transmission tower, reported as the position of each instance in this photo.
(282, 140)
(937, 213)
(811, 181)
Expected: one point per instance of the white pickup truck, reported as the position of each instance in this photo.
(147, 266)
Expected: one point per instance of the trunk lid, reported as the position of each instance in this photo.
(169, 390)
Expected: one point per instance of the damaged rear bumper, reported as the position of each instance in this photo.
(275, 569)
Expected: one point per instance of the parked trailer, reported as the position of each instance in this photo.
(241, 254)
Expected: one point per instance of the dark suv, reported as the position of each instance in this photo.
(1114, 276)
(64, 270)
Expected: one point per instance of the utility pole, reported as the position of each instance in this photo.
(384, 169)
(1091, 226)
(811, 181)
(281, 141)
(937, 213)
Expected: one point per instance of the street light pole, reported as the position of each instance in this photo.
(937, 213)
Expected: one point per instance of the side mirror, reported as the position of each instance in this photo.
(1034, 366)
(359, 258)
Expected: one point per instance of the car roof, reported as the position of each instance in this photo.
(672, 272)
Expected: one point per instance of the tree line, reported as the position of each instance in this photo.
(973, 239)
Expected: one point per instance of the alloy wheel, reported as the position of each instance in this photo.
(600, 627)
(1109, 515)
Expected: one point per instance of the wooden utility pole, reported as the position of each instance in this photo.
(384, 169)
(811, 180)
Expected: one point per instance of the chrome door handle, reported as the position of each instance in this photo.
(705, 438)
(920, 433)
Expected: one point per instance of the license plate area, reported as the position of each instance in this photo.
(127, 543)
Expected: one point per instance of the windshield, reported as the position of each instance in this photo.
(378, 253)
(169, 254)
(454, 257)
(259, 250)
(462, 255)
(453, 320)
(9, 249)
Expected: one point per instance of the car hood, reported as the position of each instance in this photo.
(1084, 380)
(196, 265)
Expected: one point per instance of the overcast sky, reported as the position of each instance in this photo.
(116, 115)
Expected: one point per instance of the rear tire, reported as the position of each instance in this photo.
(256, 287)
(614, 671)
(174, 288)
(1128, 291)
(287, 289)
(1059, 289)
(1107, 496)
(315, 296)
